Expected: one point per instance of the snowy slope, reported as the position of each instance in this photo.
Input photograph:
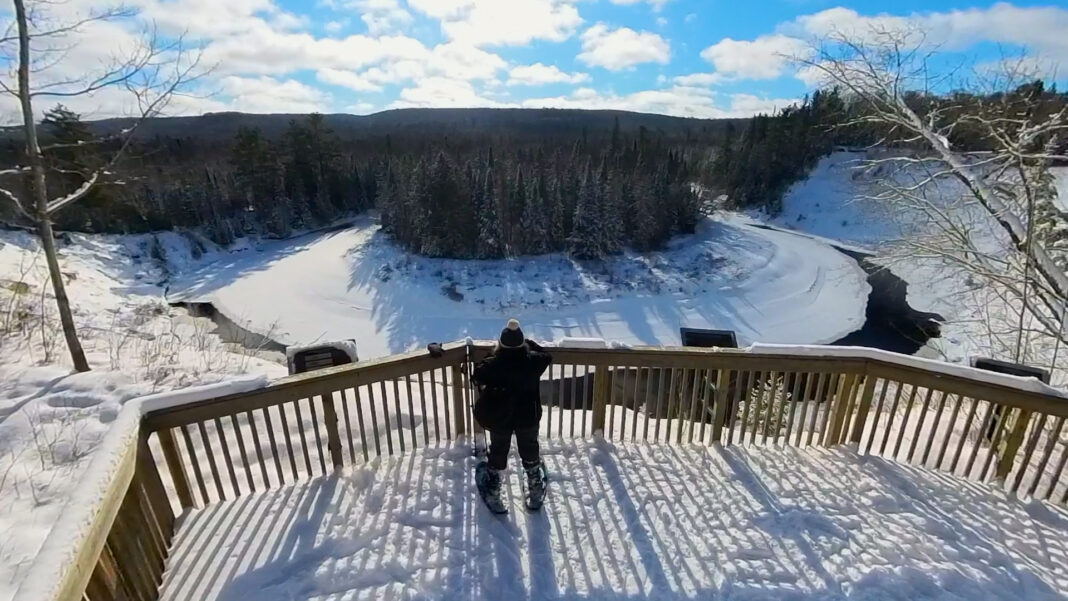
(628, 521)
(52, 421)
(768, 286)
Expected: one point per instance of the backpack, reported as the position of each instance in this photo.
(492, 408)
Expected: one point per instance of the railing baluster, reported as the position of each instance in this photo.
(358, 405)
(191, 452)
(324, 398)
(821, 390)
(346, 415)
(769, 407)
(720, 415)
(173, 457)
(810, 379)
(411, 411)
(694, 392)
(905, 421)
(433, 402)
(660, 406)
(891, 417)
(385, 416)
(995, 440)
(787, 399)
(241, 449)
(422, 407)
(211, 460)
(990, 411)
(571, 403)
(444, 400)
(674, 413)
(935, 427)
(288, 440)
(399, 414)
(559, 399)
(610, 408)
(303, 438)
(226, 455)
(633, 407)
(645, 402)
(274, 446)
(919, 426)
(747, 392)
(876, 415)
(1024, 463)
(1051, 443)
(949, 434)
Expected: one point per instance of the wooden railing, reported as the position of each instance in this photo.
(949, 419)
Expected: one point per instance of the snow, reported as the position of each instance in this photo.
(53, 421)
(767, 285)
(82, 502)
(626, 521)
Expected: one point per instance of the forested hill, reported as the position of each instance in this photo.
(471, 183)
(504, 122)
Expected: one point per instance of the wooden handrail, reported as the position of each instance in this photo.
(711, 396)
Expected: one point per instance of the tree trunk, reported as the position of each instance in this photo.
(40, 194)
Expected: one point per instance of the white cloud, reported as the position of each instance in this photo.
(1039, 28)
(269, 95)
(334, 26)
(690, 18)
(661, 22)
(499, 22)
(442, 92)
(381, 16)
(766, 57)
(347, 79)
(700, 79)
(656, 4)
(622, 48)
(539, 74)
(680, 101)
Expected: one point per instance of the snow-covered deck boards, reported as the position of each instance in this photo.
(628, 521)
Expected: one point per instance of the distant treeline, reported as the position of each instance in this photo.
(447, 192)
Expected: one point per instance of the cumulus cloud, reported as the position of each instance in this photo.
(269, 95)
(622, 48)
(700, 79)
(766, 57)
(680, 101)
(656, 4)
(442, 92)
(539, 74)
(381, 16)
(495, 23)
(347, 79)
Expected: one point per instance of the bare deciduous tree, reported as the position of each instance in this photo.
(989, 213)
(149, 73)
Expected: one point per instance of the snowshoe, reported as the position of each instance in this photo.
(537, 486)
(488, 482)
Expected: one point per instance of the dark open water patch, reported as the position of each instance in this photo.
(891, 324)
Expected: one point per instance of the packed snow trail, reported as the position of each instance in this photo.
(768, 286)
(625, 522)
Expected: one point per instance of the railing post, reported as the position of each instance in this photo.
(600, 398)
(722, 383)
(863, 407)
(459, 411)
(333, 434)
(174, 464)
(1006, 451)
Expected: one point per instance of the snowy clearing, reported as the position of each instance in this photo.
(628, 521)
(768, 286)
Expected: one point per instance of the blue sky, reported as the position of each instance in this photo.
(704, 58)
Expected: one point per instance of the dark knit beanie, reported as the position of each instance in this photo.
(512, 336)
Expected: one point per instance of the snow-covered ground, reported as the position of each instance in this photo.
(768, 286)
(628, 521)
(52, 420)
(835, 202)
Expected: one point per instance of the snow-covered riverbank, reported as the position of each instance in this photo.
(768, 286)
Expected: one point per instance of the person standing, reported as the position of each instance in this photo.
(510, 400)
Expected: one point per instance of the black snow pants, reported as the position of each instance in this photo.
(526, 439)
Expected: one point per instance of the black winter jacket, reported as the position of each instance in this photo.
(518, 372)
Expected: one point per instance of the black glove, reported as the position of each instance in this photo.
(535, 346)
(435, 349)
